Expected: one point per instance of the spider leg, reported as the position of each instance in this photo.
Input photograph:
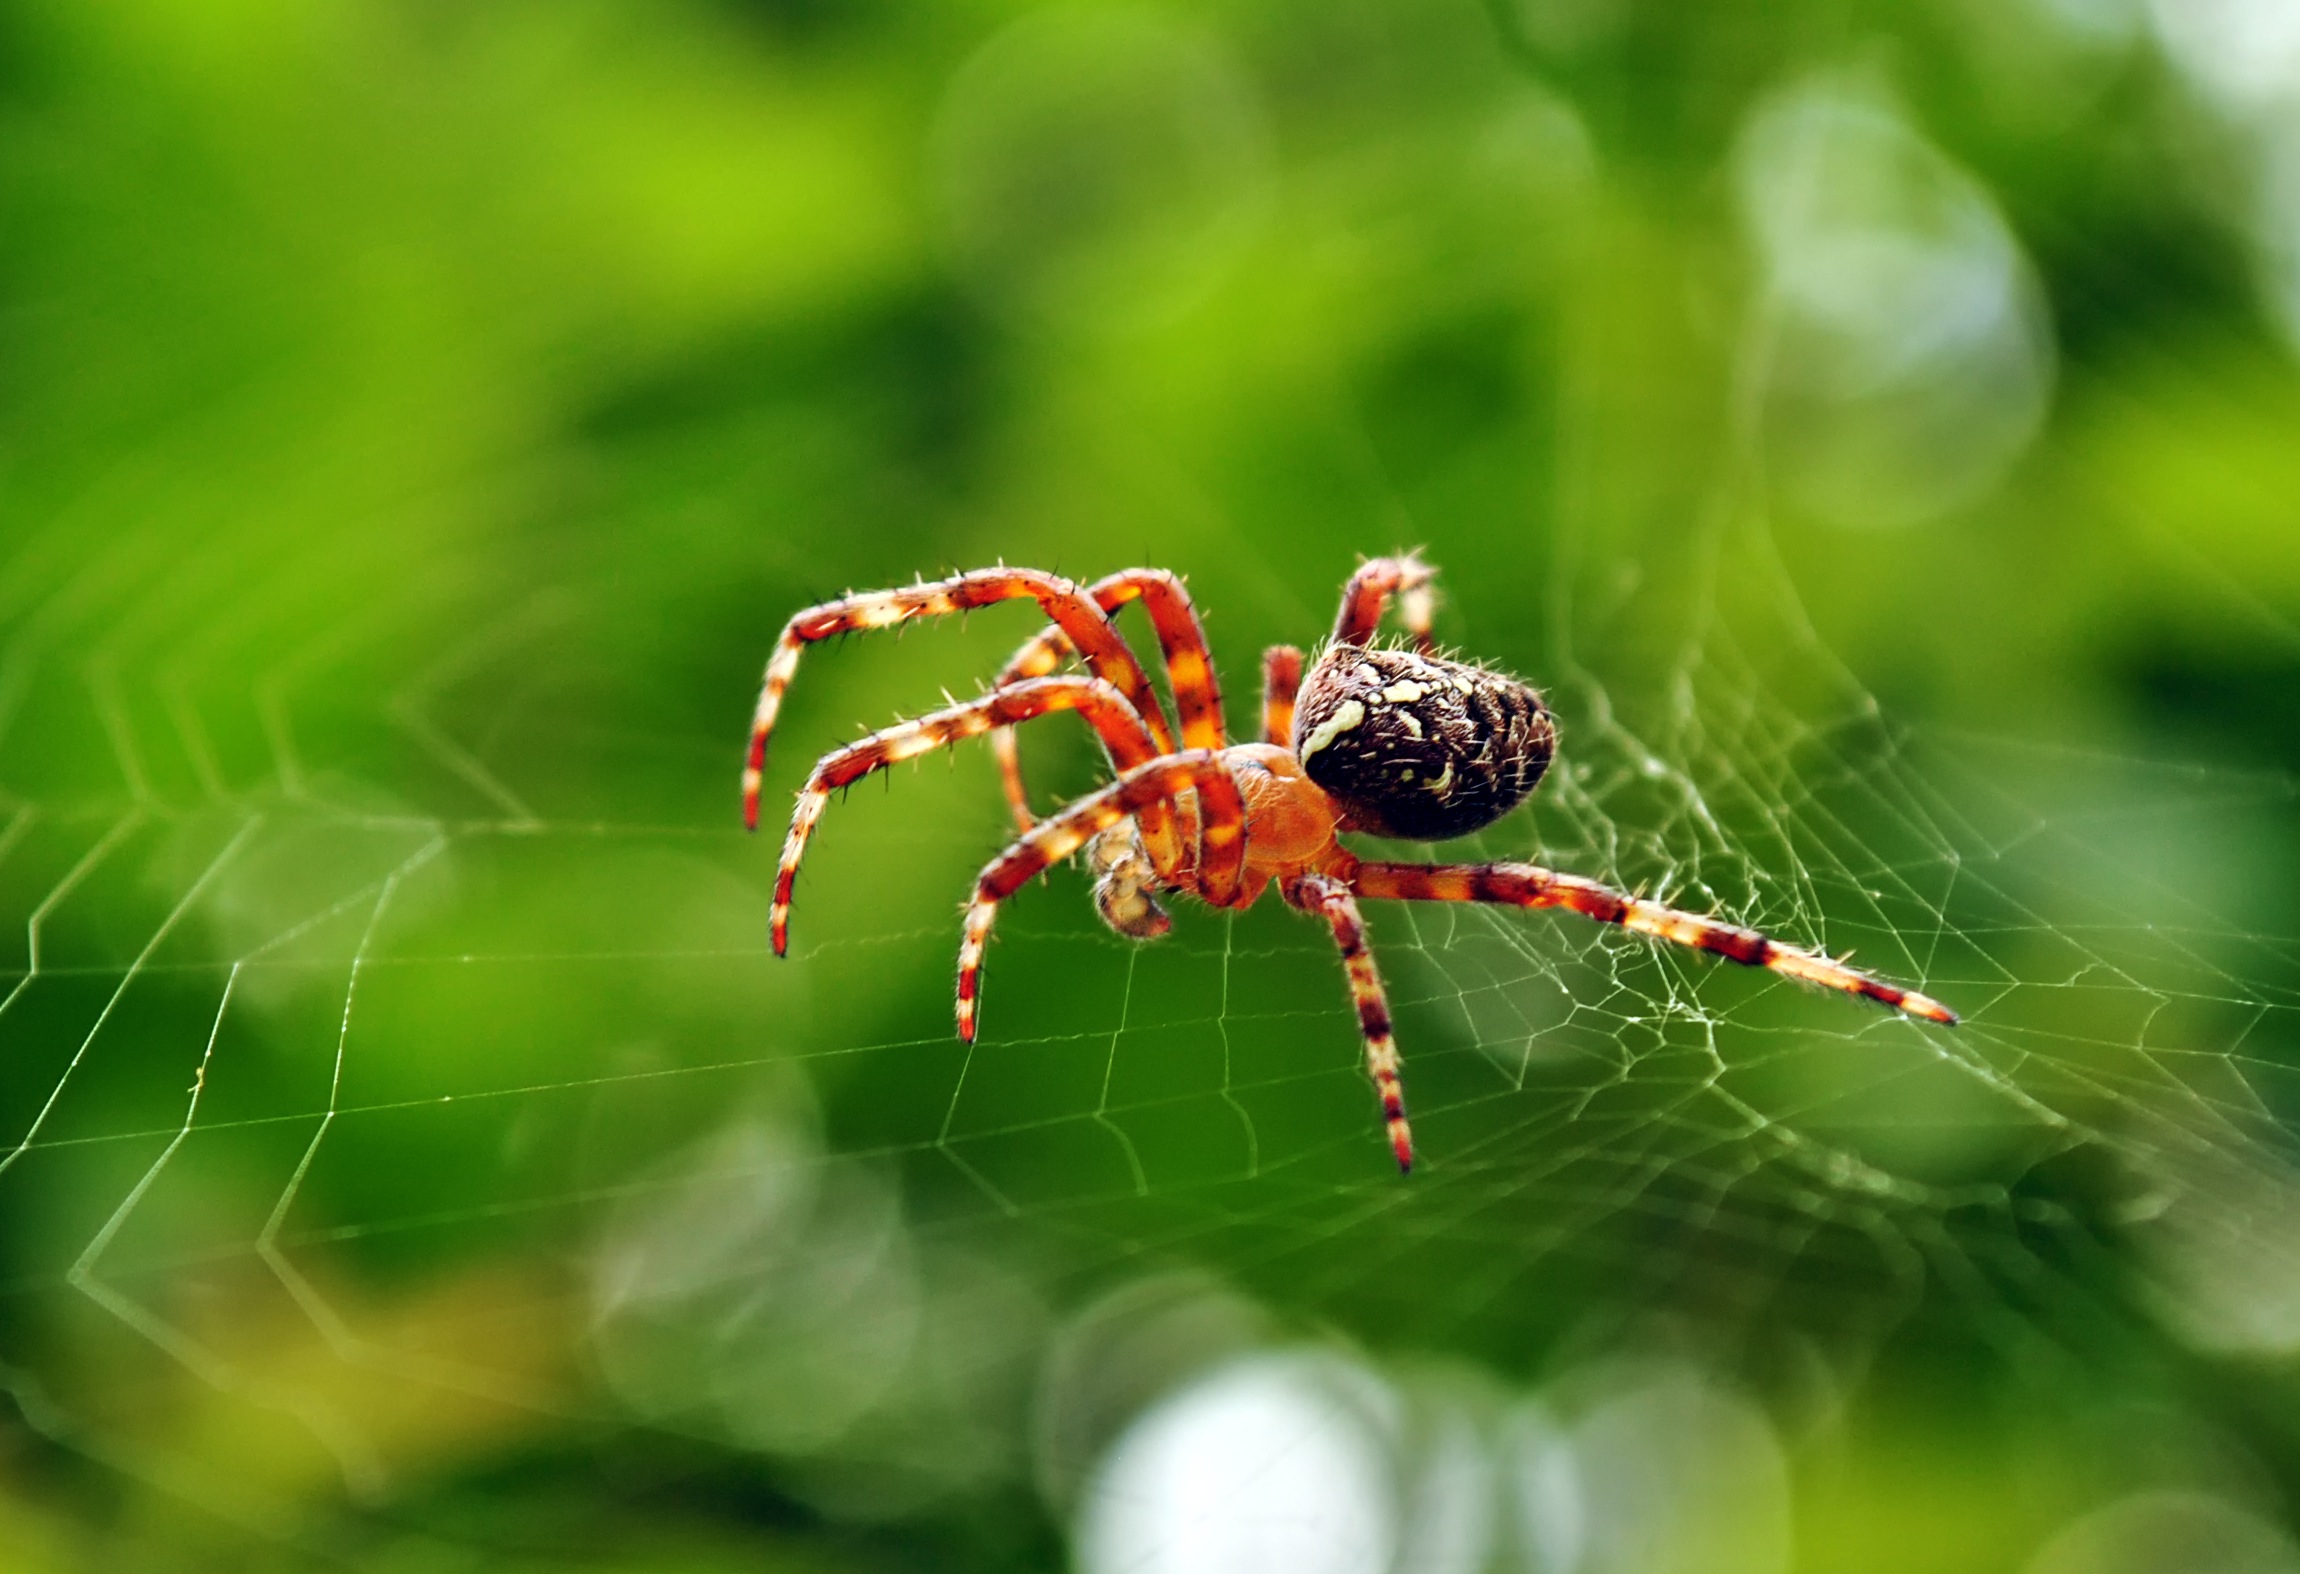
(1281, 680)
(1216, 877)
(1089, 628)
(1530, 885)
(1181, 640)
(1044, 653)
(1368, 594)
(1121, 727)
(1330, 899)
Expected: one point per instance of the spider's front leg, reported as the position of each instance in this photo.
(1530, 885)
(1088, 627)
(1217, 876)
(1181, 641)
(1103, 707)
(1330, 899)
(1044, 653)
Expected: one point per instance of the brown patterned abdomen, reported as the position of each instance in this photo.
(1420, 748)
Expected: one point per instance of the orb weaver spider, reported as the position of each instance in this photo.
(1396, 742)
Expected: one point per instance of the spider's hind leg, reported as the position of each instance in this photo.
(1281, 683)
(1369, 592)
(1530, 885)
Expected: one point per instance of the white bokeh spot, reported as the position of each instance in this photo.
(1899, 337)
(1275, 1462)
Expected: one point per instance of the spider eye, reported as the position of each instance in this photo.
(1420, 748)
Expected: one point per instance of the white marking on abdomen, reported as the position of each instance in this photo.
(1347, 715)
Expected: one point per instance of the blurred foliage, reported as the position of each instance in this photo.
(1873, 423)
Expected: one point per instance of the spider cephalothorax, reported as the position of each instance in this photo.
(1391, 742)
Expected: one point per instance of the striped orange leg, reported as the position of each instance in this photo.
(1281, 681)
(1088, 627)
(1530, 885)
(1330, 899)
(1120, 726)
(1182, 641)
(1368, 594)
(1045, 652)
(1216, 876)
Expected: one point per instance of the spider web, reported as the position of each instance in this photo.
(387, 1063)
(397, 1098)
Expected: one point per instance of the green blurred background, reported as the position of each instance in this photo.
(417, 419)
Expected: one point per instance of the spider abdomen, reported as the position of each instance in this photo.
(1417, 747)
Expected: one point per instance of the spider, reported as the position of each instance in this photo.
(1389, 741)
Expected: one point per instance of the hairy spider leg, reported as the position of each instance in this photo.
(1089, 628)
(1181, 640)
(1044, 652)
(1281, 681)
(1529, 885)
(1330, 899)
(1368, 594)
(1118, 723)
(1216, 877)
